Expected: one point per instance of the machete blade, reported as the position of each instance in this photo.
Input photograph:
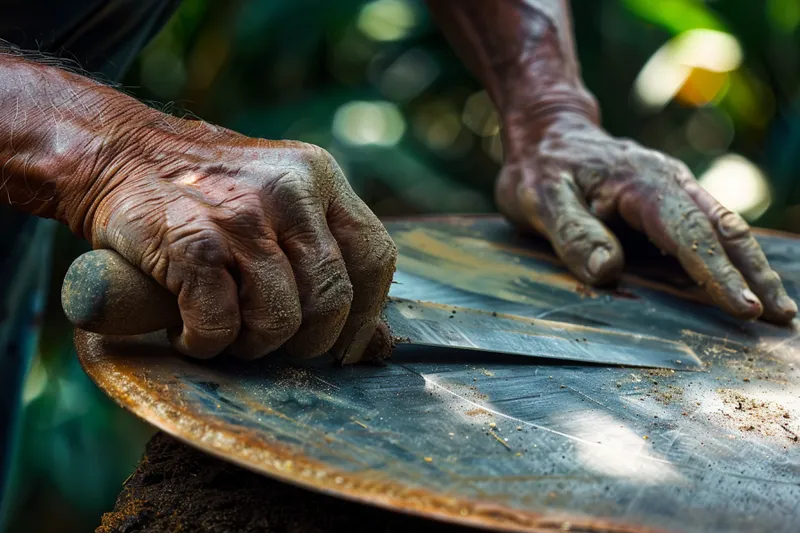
(431, 324)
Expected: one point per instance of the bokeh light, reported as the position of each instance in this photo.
(738, 184)
(480, 115)
(710, 130)
(692, 67)
(352, 77)
(387, 20)
(36, 383)
(438, 124)
(408, 75)
(369, 123)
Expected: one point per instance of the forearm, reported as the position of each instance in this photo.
(523, 53)
(57, 131)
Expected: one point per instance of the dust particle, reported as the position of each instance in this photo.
(753, 414)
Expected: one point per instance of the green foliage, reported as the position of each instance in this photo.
(676, 16)
(293, 69)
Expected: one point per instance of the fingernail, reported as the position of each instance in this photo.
(787, 305)
(750, 298)
(355, 352)
(597, 260)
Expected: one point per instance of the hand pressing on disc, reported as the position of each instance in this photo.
(564, 176)
(577, 176)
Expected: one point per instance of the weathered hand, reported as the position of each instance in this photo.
(576, 176)
(264, 243)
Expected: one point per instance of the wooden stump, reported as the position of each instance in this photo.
(176, 488)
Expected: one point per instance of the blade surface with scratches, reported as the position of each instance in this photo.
(430, 324)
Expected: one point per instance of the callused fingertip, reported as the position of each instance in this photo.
(597, 261)
(750, 297)
(602, 267)
(753, 308)
(787, 306)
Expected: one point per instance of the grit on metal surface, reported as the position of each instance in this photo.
(496, 441)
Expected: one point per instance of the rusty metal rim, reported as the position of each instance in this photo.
(280, 463)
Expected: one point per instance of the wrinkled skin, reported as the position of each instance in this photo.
(265, 243)
(578, 176)
(564, 176)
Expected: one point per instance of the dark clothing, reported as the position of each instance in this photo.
(103, 36)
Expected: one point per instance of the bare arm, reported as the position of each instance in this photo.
(55, 128)
(264, 243)
(523, 53)
(564, 175)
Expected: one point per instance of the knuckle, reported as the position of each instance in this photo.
(244, 211)
(529, 197)
(550, 146)
(201, 246)
(645, 158)
(380, 259)
(298, 232)
(680, 168)
(274, 326)
(696, 224)
(569, 229)
(319, 161)
(556, 196)
(332, 292)
(317, 155)
(732, 226)
(768, 278)
(771, 278)
(386, 253)
(725, 275)
(217, 334)
(531, 207)
(292, 189)
(628, 145)
(573, 236)
(294, 199)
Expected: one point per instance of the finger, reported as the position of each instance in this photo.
(554, 207)
(746, 254)
(322, 281)
(207, 296)
(369, 255)
(671, 219)
(268, 301)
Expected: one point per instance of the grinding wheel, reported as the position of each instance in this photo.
(498, 442)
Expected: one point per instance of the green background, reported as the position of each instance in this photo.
(327, 73)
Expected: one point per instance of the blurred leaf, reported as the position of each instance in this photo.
(676, 16)
(749, 101)
(784, 15)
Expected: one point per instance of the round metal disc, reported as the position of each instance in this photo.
(507, 443)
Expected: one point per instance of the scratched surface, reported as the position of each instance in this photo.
(502, 442)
